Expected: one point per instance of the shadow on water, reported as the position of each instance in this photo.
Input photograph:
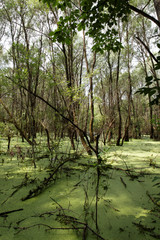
(79, 202)
(115, 206)
(84, 202)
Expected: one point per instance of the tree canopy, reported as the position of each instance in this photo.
(98, 18)
(63, 86)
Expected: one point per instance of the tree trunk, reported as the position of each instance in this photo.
(128, 120)
(111, 105)
(22, 133)
(118, 103)
(90, 73)
(157, 8)
(85, 145)
(9, 142)
(146, 72)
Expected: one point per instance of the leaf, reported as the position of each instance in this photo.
(151, 92)
(157, 66)
(155, 101)
(51, 34)
(148, 79)
(81, 26)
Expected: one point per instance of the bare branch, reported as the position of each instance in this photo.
(144, 14)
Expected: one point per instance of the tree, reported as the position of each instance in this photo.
(157, 8)
(64, 88)
(100, 25)
(98, 18)
(25, 54)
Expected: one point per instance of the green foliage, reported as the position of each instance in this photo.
(151, 91)
(7, 130)
(156, 123)
(151, 87)
(98, 18)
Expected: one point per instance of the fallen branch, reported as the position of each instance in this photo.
(152, 199)
(144, 228)
(68, 219)
(44, 184)
(150, 230)
(123, 182)
(24, 183)
(109, 205)
(4, 214)
(45, 225)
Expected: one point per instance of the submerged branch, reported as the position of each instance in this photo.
(3, 214)
(24, 183)
(125, 185)
(144, 228)
(152, 199)
(70, 219)
(44, 184)
(44, 225)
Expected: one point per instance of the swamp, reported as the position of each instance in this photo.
(77, 199)
(79, 119)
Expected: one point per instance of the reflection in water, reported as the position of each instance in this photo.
(76, 206)
(97, 197)
(88, 221)
(89, 213)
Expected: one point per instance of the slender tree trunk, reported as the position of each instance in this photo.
(128, 119)
(108, 132)
(118, 143)
(111, 105)
(146, 72)
(16, 124)
(90, 73)
(47, 133)
(118, 103)
(85, 145)
(68, 56)
(9, 142)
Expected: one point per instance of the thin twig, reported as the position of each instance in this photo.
(123, 182)
(44, 225)
(152, 199)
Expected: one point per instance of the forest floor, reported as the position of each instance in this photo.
(68, 197)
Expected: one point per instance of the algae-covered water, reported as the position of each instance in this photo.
(118, 200)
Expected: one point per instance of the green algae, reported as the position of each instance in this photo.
(113, 204)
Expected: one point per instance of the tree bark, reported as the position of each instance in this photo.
(117, 94)
(16, 124)
(90, 73)
(118, 103)
(111, 106)
(128, 119)
(157, 8)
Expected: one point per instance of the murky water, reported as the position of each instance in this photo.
(83, 201)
